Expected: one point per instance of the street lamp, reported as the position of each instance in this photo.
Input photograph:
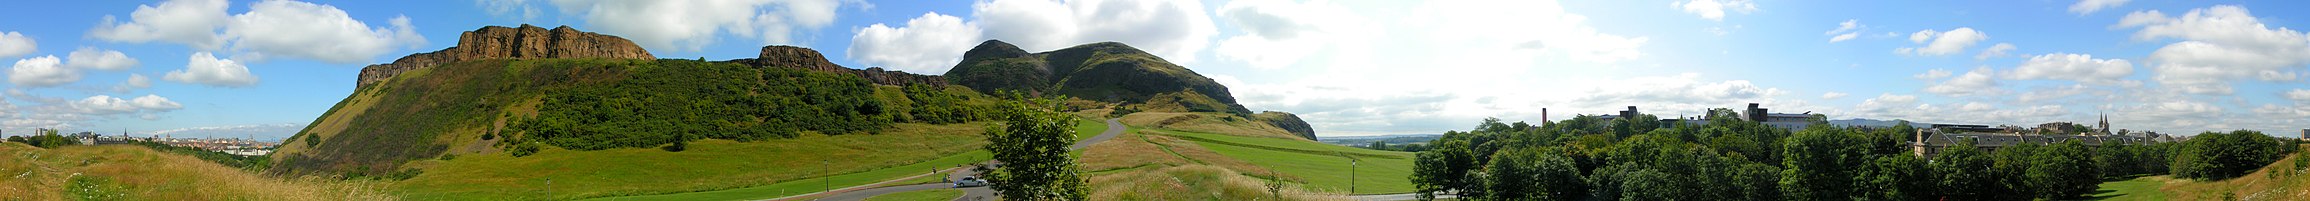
(1352, 176)
(825, 168)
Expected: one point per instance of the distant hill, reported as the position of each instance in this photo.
(519, 89)
(1108, 72)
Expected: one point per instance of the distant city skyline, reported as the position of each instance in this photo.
(1346, 67)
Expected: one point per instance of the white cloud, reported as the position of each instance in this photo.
(14, 44)
(1174, 30)
(1713, 9)
(2084, 7)
(101, 105)
(2219, 44)
(691, 25)
(1832, 95)
(2074, 67)
(1943, 42)
(1976, 82)
(205, 69)
(929, 44)
(1851, 28)
(189, 22)
(1998, 50)
(135, 81)
(1934, 74)
(319, 32)
(518, 9)
(1283, 32)
(92, 58)
(1975, 107)
(43, 71)
(2298, 95)
(1885, 102)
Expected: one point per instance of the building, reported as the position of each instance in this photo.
(1929, 142)
(1791, 122)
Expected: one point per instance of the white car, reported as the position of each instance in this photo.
(969, 182)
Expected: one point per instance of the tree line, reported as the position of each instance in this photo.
(670, 102)
(1639, 158)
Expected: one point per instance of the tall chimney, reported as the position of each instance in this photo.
(1544, 118)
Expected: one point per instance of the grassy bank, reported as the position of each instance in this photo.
(129, 172)
(757, 167)
(1323, 167)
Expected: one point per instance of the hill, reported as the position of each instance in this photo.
(1108, 72)
(520, 91)
(2287, 178)
(130, 172)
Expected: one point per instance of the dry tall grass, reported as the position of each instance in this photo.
(2281, 180)
(138, 173)
(1193, 182)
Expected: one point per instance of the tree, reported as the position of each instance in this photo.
(1534, 174)
(2063, 171)
(1444, 167)
(1378, 145)
(1819, 164)
(2216, 156)
(1965, 173)
(1897, 177)
(2009, 166)
(1032, 144)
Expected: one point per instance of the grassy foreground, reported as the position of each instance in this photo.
(1085, 128)
(128, 172)
(2284, 179)
(939, 194)
(1323, 167)
(761, 169)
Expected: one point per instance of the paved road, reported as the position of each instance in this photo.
(1114, 128)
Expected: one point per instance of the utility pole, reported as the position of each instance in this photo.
(1352, 176)
(825, 168)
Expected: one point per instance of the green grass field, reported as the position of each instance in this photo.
(1085, 128)
(1321, 165)
(761, 168)
(940, 194)
(2138, 188)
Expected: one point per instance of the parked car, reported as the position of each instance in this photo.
(969, 182)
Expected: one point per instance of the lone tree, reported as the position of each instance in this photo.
(1033, 147)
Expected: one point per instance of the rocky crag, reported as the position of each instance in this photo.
(525, 42)
(1109, 72)
(807, 59)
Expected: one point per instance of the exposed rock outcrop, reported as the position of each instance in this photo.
(525, 42)
(807, 59)
(1288, 122)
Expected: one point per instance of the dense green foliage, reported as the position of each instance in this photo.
(2216, 156)
(45, 140)
(675, 101)
(1032, 144)
(1728, 159)
(229, 160)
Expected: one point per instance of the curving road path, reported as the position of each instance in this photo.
(1114, 128)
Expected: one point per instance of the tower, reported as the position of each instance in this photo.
(2105, 124)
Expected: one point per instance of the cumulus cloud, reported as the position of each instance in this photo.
(43, 71)
(1284, 32)
(690, 25)
(14, 44)
(2218, 44)
(1174, 30)
(1998, 50)
(291, 29)
(1885, 102)
(1943, 42)
(108, 105)
(1933, 74)
(92, 58)
(135, 81)
(319, 32)
(206, 69)
(2298, 95)
(1976, 82)
(1832, 95)
(929, 44)
(1714, 9)
(518, 9)
(189, 22)
(2084, 7)
(2074, 67)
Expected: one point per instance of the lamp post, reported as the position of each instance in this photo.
(826, 168)
(1352, 176)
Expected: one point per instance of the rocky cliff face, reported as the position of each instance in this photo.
(525, 42)
(1288, 122)
(807, 59)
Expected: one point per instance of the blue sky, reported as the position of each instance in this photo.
(266, 68)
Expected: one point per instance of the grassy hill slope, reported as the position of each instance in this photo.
(128, 172)
(1128, 79)
(2286, 179)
